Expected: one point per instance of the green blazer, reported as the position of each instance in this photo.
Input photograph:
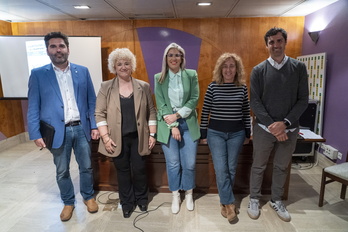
(190, 100)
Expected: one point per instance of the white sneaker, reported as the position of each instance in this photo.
(253, 208)
(176, 202)
(189, 200)
(279, 207)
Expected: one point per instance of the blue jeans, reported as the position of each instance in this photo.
(225, 149)
(181, 160)
(74, 139)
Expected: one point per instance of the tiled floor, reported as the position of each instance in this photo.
(30, 202)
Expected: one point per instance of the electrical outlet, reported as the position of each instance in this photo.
(322, 148)
(329, 151)
(339, 155)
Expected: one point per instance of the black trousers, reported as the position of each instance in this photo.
(131, 173)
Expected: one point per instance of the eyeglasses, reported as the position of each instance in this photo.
(174, 55)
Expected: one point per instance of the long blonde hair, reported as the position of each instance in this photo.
(164, 61)
(217, 73)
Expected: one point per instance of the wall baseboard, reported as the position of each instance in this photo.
(13, 141)
(323, 161)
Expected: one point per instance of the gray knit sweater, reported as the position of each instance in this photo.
(279, 94)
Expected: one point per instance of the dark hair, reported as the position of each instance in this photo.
(274, 31)
(53, 35)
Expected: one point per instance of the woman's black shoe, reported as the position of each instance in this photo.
(127, 212)
(142, 207)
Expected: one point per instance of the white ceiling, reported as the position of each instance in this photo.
(58, 10)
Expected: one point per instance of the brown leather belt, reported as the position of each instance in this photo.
(73, 123)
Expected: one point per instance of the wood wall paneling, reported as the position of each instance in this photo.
(105, 175)
(243, 36)
(11, 116)
(5, 28)
(1, 92)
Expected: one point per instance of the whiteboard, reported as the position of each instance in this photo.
(14, 64)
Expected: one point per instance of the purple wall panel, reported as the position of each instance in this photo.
(333, 41)
(153, 41)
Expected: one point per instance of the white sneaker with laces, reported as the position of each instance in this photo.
(253, 208)
(281, 210)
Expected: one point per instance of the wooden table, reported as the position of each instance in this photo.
(105, 177)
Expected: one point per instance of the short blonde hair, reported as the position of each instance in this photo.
(164, 61)
(121, 54)
(217, 73)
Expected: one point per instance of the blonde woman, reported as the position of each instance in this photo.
(177, 93)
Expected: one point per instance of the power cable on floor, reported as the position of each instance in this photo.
(145, 214)
(138, 217)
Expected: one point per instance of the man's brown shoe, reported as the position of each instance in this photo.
(92, 206)
(223, 210)
(67, 213)
(231, 212)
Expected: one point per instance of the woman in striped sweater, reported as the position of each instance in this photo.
(225, 125)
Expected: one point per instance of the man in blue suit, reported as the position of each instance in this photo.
(62, 95)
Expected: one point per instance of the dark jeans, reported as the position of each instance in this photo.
(131, 173)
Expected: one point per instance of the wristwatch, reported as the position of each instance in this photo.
(286, 122)
(177, 115)
(153, 135)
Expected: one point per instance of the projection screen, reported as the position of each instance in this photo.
(19, 54)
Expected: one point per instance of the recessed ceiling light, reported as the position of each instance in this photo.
(204, 3)
(82, 7)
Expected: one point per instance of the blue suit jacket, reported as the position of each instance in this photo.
(45, 101)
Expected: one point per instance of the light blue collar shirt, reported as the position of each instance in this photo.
(176, 94)
(175, 90)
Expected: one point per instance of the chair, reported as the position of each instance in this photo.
(339, 173)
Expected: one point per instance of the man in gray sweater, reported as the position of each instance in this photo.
(278, 97)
